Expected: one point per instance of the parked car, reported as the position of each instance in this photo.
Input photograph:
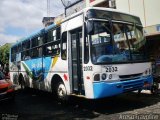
(7, 89)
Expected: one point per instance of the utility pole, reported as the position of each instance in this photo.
(48, 8)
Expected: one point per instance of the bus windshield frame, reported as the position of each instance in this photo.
(116, 42)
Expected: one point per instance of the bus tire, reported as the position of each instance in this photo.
(61, 92)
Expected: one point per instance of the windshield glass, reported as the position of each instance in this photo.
(119, 43)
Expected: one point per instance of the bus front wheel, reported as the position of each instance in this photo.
(61, 92)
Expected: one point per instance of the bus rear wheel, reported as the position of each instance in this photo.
(61, 92)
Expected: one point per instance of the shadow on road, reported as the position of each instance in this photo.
(41, 105)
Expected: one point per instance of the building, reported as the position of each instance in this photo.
(48, 21)
(101, 3)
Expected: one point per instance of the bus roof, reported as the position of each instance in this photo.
(97, 8)
(110, 9)
(35, 34)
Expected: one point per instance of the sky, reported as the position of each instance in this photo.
(19, 18)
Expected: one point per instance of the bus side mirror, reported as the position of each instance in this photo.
(89, 27)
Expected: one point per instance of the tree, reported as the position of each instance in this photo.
(4, 54)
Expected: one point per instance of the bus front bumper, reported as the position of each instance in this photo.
(106, 89)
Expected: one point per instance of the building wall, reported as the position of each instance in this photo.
(90, 3)
(129, 7)
(152, 12)
(147, 10)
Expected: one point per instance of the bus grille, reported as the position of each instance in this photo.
(130, 77)
(132, 85)
(3, 90)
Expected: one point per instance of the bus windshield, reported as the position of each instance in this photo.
(116, 43)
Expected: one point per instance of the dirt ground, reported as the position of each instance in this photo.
(37, 105)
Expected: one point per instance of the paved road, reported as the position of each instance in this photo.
(36, 105)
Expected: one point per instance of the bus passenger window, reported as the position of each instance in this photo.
(51, 36)
(48, 50)
(58, 33)
(34, 52)
(26, 55)
(54, 35)
(39, 51)
(64, 46)
(40, 41)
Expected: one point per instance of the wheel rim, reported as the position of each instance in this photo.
(61, 91)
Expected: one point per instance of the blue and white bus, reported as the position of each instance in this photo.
(94, 53)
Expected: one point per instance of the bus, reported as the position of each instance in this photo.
(94, 53)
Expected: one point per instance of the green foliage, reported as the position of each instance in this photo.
(4, 53)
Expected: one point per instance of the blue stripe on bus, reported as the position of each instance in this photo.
(35, 66)
(105, 89)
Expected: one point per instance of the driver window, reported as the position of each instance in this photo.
(64, 46)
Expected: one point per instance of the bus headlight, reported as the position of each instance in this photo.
(103, 76)
(97, 77)
(147, 72)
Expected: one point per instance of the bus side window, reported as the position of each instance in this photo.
(51, 36)
(64, 46)
(13, 54)
(25, 50)
(58, 33)
(48, 50)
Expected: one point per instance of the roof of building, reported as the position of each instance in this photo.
(47, 19)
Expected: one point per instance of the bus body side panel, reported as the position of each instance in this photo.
(59, 67)
(14, 73)
(68, 26)
(88, 78)
(39, 76)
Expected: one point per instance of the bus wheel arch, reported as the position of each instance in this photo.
(59, 88)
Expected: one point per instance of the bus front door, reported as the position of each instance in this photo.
(76, 60)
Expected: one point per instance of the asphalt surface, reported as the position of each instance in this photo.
(38, 105)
